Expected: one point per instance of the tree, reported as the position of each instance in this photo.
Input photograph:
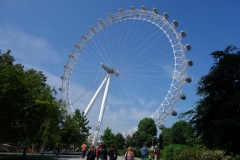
(107, 137)
(6, 59)
(182, 133)
(146, 131)
(134, 140)
(75, 130)
(216, 117)
(81, 120)
(165, 137)
(129, 141)
(29, 111)
(119, 141)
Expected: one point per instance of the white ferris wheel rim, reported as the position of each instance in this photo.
(178, 79)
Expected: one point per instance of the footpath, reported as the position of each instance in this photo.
(61, 157)
(119, 158)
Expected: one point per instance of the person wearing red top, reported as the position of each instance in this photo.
(156, 153)
(97, 150)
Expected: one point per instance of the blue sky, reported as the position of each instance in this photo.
(41, 34)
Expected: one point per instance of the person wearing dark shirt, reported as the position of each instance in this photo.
(91, 153)
(102, 153)
(58, 151)
(112, 153)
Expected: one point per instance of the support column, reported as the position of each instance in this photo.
(95, 97)
(103, 105)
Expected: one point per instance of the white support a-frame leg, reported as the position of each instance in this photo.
(95, 96)
(95, 139)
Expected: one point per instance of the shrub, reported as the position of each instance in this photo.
(237, 157)
(197, 155)
(122, 152)
(137, 152)
(172, 151)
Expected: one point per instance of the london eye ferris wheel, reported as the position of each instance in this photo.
(128, 66)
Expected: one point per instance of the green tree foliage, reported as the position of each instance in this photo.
(165, 137)
(161, 141)
(216, 117)
(29, 111)
(108, 137)
(119, 141)
(129, 141)
(82, 122)
(6, 59)
(182, 133)
(135, 140)
(146, 131)
(75, 130)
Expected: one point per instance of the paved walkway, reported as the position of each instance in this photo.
(64, 157)
(61, 157)
(79, 158)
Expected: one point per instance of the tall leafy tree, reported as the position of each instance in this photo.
(165, 137)
(136, 140)
(146, 131)
(161, 141)
(28, 110)
(119, 141)
(182, 133)
(75, 130)
(108, 137)
(129, 141)
(216, 118)
(81, 120)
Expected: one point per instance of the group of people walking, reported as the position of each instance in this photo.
(145, 153)
(101, 152)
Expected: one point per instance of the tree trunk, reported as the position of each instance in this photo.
(24, 153)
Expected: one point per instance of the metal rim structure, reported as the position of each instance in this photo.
(178, 50)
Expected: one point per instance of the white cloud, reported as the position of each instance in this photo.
(33, 52)
(169, 70)
(124, 119)
(28, 49)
